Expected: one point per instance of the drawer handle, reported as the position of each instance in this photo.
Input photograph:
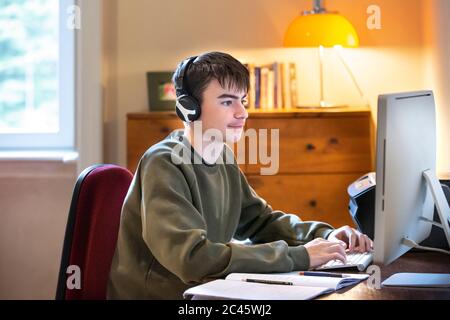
(165, 130)
(313, 203)
(255, 183)
(334, 140)
(310, 147)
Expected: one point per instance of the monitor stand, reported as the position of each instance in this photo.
(436, 280)
(440, 202)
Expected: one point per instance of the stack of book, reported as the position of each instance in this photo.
(272, 86)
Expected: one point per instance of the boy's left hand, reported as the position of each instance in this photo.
(352, 238)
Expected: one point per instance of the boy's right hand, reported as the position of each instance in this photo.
(321, 251)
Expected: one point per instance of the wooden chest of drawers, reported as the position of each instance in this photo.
(320, 153)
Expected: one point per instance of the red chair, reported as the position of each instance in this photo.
(92, 230)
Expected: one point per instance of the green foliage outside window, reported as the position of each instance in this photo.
(28, 66)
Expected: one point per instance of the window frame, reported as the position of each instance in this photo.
(64, 139)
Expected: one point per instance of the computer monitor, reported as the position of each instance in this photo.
(407, 187)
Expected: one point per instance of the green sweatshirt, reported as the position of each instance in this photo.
(179, 220)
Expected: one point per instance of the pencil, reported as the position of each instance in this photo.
(321, 274)
(269, 281)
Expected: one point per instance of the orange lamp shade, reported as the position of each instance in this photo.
(321, 29)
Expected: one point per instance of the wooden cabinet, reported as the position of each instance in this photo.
(144, 130)
(321, 197)
(320, 153)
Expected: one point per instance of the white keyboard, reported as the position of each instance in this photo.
(354, 260)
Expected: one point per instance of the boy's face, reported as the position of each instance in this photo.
(224, 109)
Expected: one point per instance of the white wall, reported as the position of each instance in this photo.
(34, 204)
(437, 72)
(89, 113)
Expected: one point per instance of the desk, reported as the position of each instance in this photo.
(410, 262)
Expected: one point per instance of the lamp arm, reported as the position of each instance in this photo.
(352, 76)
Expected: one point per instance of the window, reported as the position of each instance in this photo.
(37, 79)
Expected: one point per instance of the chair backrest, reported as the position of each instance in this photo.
(92, 229)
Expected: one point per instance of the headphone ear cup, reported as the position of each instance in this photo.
(187, 108)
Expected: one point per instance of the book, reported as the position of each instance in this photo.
(272, 86)
(264, 88)
(257, 102)
(279, 86)
(270, 89)
(293, 84)
(251, 91)
(274, 286)
(286, 90)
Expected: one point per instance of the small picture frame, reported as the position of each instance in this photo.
(161, 91)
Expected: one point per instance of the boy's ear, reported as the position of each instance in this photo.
(187, 108)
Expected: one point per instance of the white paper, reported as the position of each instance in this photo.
(254, 291)
(235, 286)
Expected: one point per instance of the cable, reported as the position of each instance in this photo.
(412, 244)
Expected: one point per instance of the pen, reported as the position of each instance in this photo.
(322, 274)
(270, 281)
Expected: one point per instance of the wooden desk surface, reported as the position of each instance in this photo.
(428, 262)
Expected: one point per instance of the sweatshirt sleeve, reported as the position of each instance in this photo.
(175, 232)
(260, 223)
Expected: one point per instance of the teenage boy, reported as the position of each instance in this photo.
(188, 202)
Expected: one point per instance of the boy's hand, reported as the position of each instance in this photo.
(352, 239)
(321, 251)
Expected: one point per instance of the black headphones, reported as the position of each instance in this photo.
(187, 107)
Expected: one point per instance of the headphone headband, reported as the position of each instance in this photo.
(180, 85)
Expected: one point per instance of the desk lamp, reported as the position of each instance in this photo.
(321, 28)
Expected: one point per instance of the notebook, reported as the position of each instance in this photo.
(296, 287)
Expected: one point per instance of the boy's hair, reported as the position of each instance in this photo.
(229, 72)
